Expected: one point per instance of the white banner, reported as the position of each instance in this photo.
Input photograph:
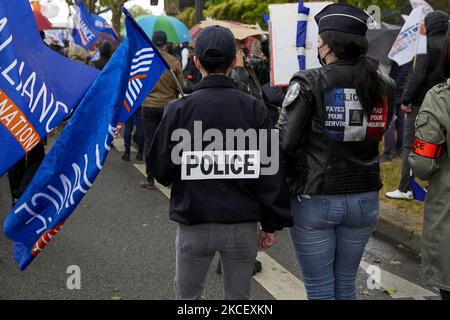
(283, 38)
(412, 39)
(418, 3)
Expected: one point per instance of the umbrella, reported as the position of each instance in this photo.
(381, 41)
(176, 31)
(240, 31)
(41, 21)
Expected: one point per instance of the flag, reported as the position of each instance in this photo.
(266, 18)
(84, 32)
(419, 192)
(302, 26)
(38, 87)
(77, 157)
(412, 39)
(418, 3)
(346, 120)
(102, 26)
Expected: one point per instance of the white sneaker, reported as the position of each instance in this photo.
(397, 194)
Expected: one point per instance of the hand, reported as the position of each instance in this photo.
(266, 240)
(240, 58)
(406, 108)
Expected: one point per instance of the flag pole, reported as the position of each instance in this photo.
(180, 89)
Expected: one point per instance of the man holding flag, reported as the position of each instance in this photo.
(70, 168)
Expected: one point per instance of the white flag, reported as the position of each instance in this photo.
(412, 39)
(418, 3)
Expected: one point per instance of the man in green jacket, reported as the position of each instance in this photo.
(430, 160)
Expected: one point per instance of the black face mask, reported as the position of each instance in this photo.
(322, 60)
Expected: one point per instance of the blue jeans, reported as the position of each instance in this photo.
(329, 236)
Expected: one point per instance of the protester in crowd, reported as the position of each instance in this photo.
(430, 160)
(273, 96)
(192, 75)
(21, 174)
(169, 48)
(134, 121)
(261, 64)
(106, 52)
(218, 215)
(244, 74)
(393, 139)
(164, 91)
(75, 52)
(426, 73)
(182, 53)
(332, 122)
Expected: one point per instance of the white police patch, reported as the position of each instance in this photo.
(292, 94)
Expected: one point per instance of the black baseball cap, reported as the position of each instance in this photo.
(344, 18)
(159, 38)
(216, 44)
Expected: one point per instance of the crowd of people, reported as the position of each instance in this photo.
(326, 190)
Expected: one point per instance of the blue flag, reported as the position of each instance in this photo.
(419, 192)
(38, 87)
(102, 26)
(302, 26)
(84, 32)
(77, 157)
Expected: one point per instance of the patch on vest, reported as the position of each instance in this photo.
(292, 94)
(346, 120)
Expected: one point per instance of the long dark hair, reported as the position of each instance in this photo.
(368, 82)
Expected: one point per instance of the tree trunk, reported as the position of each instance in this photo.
(199, 6)
(116, 9)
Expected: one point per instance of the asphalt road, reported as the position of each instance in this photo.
(124, 244)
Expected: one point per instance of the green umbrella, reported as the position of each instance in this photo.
(176, 31)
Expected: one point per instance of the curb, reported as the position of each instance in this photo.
(396, 231)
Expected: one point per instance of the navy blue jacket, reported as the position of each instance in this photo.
(218, 103)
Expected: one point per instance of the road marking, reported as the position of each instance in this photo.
(283, 285)
(142, 170)
(278, 281)
(403, 288)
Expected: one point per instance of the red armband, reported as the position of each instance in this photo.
(426, 149)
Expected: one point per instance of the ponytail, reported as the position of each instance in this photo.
(369, 84)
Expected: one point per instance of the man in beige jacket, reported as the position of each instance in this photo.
(163, 92)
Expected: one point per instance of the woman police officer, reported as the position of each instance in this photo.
(332, 121)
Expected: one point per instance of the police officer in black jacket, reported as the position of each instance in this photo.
(216, 211)
(332, 121)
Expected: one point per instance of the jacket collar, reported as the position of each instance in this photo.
(343, 62)
(213, 81)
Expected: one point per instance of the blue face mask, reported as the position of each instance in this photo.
(246, 51)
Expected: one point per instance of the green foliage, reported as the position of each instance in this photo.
(383, 4)
(247, 11)
(187, 17)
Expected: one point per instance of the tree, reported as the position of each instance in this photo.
(250, 11)
(100, 6)
(199, 7)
